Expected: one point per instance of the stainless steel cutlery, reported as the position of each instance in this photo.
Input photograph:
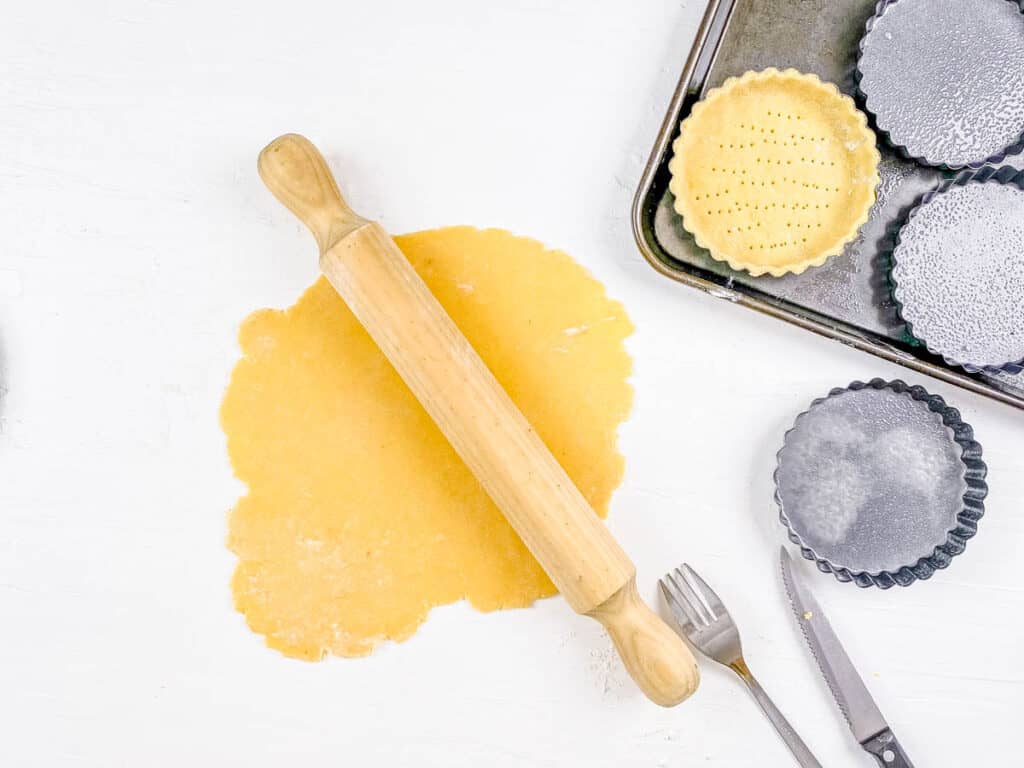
(858, 707)
(706, 624)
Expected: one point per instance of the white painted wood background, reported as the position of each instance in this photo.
(134, 236)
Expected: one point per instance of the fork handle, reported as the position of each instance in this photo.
(796, 745)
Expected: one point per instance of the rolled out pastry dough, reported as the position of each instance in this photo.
(359, 517)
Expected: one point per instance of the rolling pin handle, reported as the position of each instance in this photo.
(297, 174)
(654, 655)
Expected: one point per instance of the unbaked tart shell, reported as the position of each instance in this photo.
(774, 172)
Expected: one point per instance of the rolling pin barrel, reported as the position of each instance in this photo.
(479, 419)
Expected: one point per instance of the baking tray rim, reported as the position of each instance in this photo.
(659, 157)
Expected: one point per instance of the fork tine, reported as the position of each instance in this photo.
(675, 605)
(675, 600)
(707, 594)
(684, 572)
(690, 599)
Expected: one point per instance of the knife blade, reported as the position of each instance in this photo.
(866, 721)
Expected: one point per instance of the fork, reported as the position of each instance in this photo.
(707, 625)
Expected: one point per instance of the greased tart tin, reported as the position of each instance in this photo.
(944, 79)
(880, 483)
(958, 271)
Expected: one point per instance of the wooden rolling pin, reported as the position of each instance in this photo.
(479, 419)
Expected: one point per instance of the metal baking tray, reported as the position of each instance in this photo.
(847, 299)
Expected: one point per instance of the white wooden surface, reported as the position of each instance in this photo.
(134, 236)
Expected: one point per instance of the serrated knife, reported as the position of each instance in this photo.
(862, 714)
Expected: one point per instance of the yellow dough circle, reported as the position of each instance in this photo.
(774, 172)
(359, 517)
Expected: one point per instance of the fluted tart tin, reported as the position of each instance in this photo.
(880, 483)
(958, 271)
(944, 79)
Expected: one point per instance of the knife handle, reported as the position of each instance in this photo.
(887, 751)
